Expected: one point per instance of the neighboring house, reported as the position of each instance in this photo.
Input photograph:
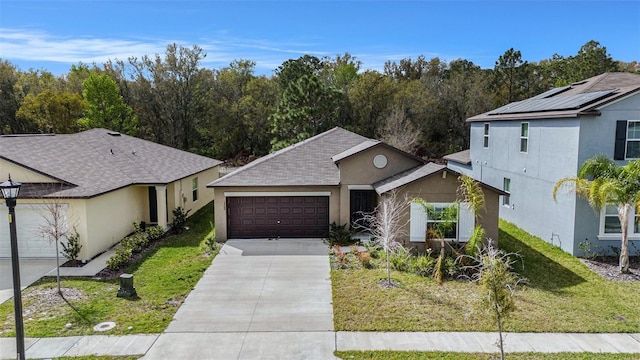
(525, 147)
(103, 181)
(334, 177)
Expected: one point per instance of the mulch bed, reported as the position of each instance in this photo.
(607, 267)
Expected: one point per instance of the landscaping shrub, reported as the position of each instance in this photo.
(339, 235)
(135, 242)
(179, 219)
(120, 258)
(154, 232)
(72, 248)
(400, 259)
(365, 259)
(422, 265)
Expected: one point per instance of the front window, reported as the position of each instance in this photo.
(611, 221)
(524, 137)
(442, 221)
(633, 140)
(506, 186)
(610, 226)
(194, 186)
(485, 141)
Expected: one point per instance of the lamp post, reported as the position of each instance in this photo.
(10, 190)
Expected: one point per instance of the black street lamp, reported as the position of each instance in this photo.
(10, 190)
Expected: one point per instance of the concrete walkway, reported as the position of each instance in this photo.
(272, 300)
(245, 345)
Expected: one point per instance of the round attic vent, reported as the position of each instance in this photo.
(380, 161)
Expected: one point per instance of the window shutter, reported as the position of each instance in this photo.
(466, 222)
(418, 224)
(621, 140)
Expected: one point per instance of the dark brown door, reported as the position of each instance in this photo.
(363, 202)
(277, 216)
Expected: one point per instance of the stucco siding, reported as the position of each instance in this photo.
(552, 154)
(220, 213)
(21, 174)
(109, 217)
(358, 169)
(436, 189)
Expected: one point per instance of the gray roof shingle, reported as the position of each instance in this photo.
(97, 161)
(407, 177)
(461, 157)
(306, 163)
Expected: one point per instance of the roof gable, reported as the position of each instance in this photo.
(306, 163)
(99, 160)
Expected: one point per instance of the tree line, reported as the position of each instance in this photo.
(419, 105)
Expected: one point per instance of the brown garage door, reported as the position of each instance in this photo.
(277, 216)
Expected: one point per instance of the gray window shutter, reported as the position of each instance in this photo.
(621, 140)
(418, 224)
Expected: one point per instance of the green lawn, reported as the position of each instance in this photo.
(163, 278)
(415, 355)
(560, 295)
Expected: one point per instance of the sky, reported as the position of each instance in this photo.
(53, 35)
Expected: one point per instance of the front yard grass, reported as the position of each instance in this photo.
(162, 278)
(560, 295)
(416, 355)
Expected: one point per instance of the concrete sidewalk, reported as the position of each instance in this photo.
(279, 345)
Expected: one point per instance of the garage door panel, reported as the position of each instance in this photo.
(30, 218)
(284, 216)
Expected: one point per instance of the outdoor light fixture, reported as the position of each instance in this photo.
(10, 190)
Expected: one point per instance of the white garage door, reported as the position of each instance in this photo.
(29, 221)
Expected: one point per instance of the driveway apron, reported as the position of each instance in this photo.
(259, 299)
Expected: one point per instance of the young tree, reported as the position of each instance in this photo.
(387, 224)
(497, 285)
(602, 182)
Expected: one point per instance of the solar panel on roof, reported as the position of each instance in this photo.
(552, 92)
(552, 103)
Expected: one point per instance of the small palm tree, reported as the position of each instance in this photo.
(601, 181)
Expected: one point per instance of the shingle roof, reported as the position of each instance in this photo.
(461, 157)
(580, 98)
(407, 177)
(99, 160)
(305, 163)
(354, 150)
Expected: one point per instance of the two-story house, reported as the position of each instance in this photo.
(525, 147)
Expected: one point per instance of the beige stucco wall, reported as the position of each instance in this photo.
(220, 213)
(181, 190)
(21, 174)
(109, 217)
(358, 169)
(439, 189)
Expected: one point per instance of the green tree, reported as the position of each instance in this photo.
(602, 182)
(53, 111)
(174, 92)
(509, 77)
(8, 100)
(370, 102)
(307, 108)
(105, 106)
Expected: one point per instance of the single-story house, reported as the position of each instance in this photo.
(335, 176)
(103, 181)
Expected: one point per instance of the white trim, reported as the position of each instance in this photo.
(626, 140)
(275, 193)
(522, 137)
(631, 234)
(486, 130)
(360, 187)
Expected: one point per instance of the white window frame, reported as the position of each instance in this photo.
(194, 189)
(419, 220)
(485, 136)
(524, 137)
(506, 187)
(628, 140)
(634, 218)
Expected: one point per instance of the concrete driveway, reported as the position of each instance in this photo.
(31, 270)
(259, 299)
